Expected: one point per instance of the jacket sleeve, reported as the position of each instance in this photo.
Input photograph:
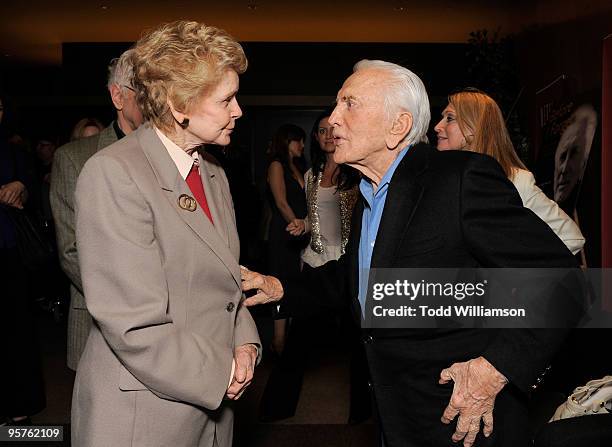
(246, 331)
(501, 232)
(63, 185)
(127, 294)
(315, 290)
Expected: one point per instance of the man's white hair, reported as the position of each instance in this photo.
(121, 70)
(404, 91)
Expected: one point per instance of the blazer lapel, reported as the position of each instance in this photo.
(214, 197)
(352, 251)
(403, 197)
(174, 186)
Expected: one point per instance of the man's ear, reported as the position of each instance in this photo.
(399, 129)
(116, 96)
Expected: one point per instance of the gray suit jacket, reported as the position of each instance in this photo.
(67, 164)
(163, 286)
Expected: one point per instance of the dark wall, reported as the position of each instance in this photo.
(56, 97)
(573, 49)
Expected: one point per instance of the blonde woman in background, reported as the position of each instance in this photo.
(473, 121)
(86, 127)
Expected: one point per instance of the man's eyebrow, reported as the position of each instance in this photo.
(346, 98)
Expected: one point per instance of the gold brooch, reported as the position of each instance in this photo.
(187, 202)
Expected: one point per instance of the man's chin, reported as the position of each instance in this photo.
(339, 156)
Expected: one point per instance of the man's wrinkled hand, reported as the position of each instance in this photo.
(269, 289)
(245, 358)
(476, 385)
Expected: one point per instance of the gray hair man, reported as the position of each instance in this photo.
(68, 162)
(421, 208)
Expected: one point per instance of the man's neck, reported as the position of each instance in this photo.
(376, 169)
(123, 124)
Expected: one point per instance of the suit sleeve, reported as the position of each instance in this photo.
(246, 331)
(315, 290)
(63, 184)
(501, 232)
(127, 295)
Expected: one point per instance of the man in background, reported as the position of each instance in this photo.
(68, 162)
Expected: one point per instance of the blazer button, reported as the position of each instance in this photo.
(229, 307)
(368, 339)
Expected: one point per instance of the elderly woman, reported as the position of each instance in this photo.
(159, 254)
(473, 121)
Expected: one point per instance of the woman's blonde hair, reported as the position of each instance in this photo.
(180, 62)
(482, 124)
(79, 127)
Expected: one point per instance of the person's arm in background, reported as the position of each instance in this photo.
(548, 210)
(63, 185)
(302, 226)
(276, 180)
(15, 192)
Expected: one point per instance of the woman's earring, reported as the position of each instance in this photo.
(184, 124)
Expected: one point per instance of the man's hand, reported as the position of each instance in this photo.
(477, 383)
(296, 227)
(245, 358)
(13, 194)
(268, 288)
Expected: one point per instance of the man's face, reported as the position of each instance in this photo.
(573, 152)
(359, 121)
(128, 113)
(45, 150)
(131, 112)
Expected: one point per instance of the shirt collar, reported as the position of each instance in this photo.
(181, 159)
(366, 187)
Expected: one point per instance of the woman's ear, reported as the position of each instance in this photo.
(401, 126)
(180, 118)
(468, 139)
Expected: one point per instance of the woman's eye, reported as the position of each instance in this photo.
(450, 118)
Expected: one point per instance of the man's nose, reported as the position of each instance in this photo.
(334, 117)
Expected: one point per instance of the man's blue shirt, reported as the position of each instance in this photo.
(370, 221)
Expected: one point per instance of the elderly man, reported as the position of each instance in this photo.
(68, 162)
(423, 208)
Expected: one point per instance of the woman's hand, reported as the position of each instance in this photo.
(296, 227)
(13, 194)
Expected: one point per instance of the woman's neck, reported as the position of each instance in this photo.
(329, 174)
